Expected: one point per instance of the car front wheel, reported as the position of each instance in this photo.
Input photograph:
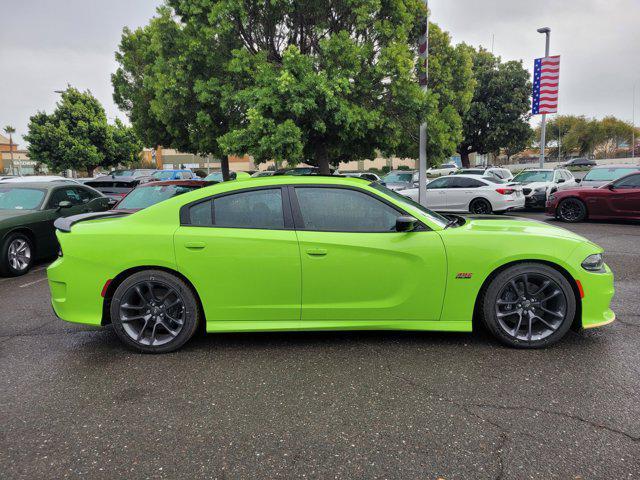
(529, 305)
(154, 311)
(16, 255)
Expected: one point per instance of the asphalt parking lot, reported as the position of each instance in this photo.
(75, 403)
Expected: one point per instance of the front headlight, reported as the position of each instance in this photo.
(594, 263)
(552, 197)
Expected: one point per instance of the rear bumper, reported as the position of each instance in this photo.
(75, 296)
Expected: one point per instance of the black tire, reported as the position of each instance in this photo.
(502, 306)
(159, 326)
(16, 255)
(480, 206)
(571, 210)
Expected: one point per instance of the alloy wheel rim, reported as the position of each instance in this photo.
(570, 210)
(19, 254)
(531, 307)
(152, 313)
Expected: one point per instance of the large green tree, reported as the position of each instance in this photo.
(77, 136)
(498, 117)
(319, 81)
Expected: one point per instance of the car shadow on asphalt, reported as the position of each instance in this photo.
(105, 341)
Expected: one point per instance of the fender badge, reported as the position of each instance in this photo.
(464, 275)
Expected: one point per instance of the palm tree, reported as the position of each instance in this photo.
(9, 130)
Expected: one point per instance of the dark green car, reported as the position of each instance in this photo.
(27, 213)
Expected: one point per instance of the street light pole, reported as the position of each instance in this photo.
(633, 123)
(543, 129)
(423, 77)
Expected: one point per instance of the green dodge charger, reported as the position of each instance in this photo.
(322, 253)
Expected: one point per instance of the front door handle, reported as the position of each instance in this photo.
(195, 245)
(316, 252)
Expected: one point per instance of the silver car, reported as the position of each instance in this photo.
(598, 176)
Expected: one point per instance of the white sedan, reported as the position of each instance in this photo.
(470, 193)
(444, 169)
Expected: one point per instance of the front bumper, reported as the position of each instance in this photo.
(536, 200)
(598, 292)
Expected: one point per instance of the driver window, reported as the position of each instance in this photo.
(632, 181)
(442, 182)
(344, 210)
(64, 194)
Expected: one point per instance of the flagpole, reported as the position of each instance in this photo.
(423, 78)
(543, 129)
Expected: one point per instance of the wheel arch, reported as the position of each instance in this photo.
(118, 279)
(577, 321)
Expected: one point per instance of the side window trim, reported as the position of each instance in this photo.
(299, 221)
(185, 218)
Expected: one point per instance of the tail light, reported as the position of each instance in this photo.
(505, 191)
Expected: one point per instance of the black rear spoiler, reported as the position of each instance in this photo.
(64, 224)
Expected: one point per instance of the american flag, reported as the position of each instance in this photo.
(546, 76)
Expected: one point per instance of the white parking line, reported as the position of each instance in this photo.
(35, 270)
(32, 283)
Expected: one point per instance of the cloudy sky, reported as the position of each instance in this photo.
(47, 44)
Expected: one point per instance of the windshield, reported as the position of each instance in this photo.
(608, 174)
(20, 198)
(398, 177)
(533, 176)
(163, 175)
(143, 197)
(433, 216)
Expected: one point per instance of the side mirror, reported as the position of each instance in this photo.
(64, 204)
(416, 184)
(111, 202)
(406, 224)
(578, 180)
(611, 187)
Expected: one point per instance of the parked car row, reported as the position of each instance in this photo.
(29, 206)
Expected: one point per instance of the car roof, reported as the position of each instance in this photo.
(293, 180)
(542, 169)
(619, 165)
(186, 183)
(464, 175)
(40, 185)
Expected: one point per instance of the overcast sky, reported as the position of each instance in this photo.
(47, 44)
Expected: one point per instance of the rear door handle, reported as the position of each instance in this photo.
(195, 245)
(316, 252)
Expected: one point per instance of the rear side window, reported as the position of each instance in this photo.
(260, 209)
(344, 210)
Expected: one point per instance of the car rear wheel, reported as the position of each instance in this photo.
(154, 311)
(572, 210)
(17, 255)
(529, 305)
(480, 206)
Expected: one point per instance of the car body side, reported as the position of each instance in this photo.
(147, 239)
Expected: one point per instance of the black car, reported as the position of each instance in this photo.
(27, 213)
(116, 187)
(579, 162)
